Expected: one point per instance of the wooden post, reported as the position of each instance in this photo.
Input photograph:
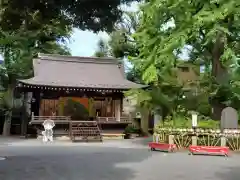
(194, 140)
(223, 141)
(24, 117)
(70, 129)
(171, 139)
(32, 117)
(118, 110)
(157, 136)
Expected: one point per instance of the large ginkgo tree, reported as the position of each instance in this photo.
(210, 30)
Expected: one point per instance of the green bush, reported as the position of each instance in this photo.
(184, 122)
(130, 129)
(205, 124)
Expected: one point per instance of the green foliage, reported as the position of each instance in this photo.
(210, 28)
(121, 41)
(142, 98)
(198, 103)
(118, 43)
(2, 104)
(121, 44)
(103, 50)
(185, 122)
(18, 48)
(134, 75)
(90, 14)
(130, 129)
(163, 98)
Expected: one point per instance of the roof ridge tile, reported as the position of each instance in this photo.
(79, 59)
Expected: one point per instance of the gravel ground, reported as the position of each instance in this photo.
(105, 162)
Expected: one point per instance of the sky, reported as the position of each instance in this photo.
(84, 43)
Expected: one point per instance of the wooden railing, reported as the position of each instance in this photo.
(113, 120)
(67, 119)
(56, 119)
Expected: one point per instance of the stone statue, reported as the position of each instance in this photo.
(48, 130)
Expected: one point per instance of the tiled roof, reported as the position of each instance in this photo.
(79, 72)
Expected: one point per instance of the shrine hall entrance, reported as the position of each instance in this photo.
(100, 108)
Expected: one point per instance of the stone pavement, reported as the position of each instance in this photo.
(8, 140)
(111, 163)
(131, 143)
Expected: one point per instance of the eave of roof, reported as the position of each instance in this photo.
(86, 86)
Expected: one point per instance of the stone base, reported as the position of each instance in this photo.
(39, 137)
(104, 136)
(61, 138)
(113, 136)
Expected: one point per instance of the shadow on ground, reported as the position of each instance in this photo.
(142, 141)
(229, 173)
(71, 163)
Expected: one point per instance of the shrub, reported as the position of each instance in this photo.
(185, 122)
(130, 129)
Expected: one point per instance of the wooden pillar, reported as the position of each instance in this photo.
(90, 107)
(121, 105)
(61, 106)
(118, 109)
(24, 117)
(35, 104)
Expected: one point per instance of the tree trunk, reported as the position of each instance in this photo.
(144, 120)
(219, 72)
(164, 112)
(8, 117)
(7, 124)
